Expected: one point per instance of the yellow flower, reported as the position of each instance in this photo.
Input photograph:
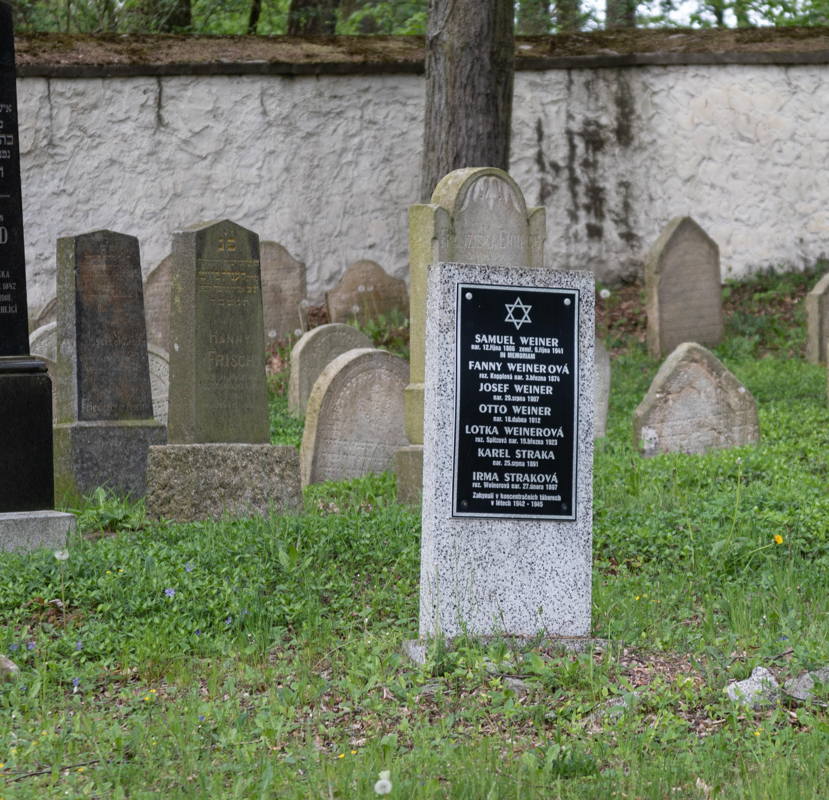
(2, 765)
(778, 539)
(354, 752)
(81, 769)
(341, 755)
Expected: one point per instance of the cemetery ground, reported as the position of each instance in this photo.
(262, 658)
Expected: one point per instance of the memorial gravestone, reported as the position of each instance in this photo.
(817, 321)
(26, 478)
(682, 287)
(508, 448)
(366, 292)
(354, 420)
(283, 287)
(217, 354)
(693, 405)
(477, 216)
(218, 461)
(312, 353)
(104, 411)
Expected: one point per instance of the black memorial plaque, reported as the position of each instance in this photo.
(516, 418)
(14, 331)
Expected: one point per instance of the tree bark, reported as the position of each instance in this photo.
(180, 17)
(620, 14)
(253, 19)
(469, 76)
(312, 17)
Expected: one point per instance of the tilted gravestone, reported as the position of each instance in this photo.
(506, 547)
(218, 461)
(817, 321)
(104, 411)
(312, 353)
(477, 215)
(693, 405)
(217, 353)
(354, 419)
(366, 292)
(157, 304)
(602, 402)
(683, 288)
(283, 287)
(26, 477)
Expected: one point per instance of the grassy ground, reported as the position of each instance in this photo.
(260, 659)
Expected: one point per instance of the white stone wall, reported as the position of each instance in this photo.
(327, 166)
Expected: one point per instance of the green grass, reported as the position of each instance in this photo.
(273, 667)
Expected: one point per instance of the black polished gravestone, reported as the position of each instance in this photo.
(26, 480)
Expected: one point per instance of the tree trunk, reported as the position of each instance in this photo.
(312, 17)
(469, 74)
(533, 17)
(620, 14)
(568, 15)
(253, 19)
(180, 17)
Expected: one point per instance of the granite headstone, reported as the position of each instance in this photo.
(104, 411)
(683, 288)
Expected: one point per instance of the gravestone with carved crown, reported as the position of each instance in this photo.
(478, 215)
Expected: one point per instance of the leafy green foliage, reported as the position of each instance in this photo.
(389, 332)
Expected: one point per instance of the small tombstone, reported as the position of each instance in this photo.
(104, 409)
(478, 215)
(365, 292)
(283, 286)
(157, 304)
(159, 362)
(602, 396)
(354, 419)
(312, 353)
(693, 405)
(217, 354)
(682, 285)
(817, 321)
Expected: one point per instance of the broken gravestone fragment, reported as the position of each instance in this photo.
(759, 690)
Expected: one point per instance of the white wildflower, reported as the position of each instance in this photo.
(383, 786)
(61, 555)
(604, 293)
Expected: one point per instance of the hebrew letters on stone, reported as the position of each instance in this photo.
(516, 413)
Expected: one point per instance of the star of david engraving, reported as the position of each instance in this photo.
(511, 310)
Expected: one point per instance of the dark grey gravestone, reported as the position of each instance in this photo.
(105, 412)
(25, 389)
(217, 352)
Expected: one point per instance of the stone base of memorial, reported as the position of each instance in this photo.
(506, 549)
(192, 482)
(29, 530)
(103, 453)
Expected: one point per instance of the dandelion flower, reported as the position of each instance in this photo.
(61, 555)
(604, 293)
(778, 539)
(383, 786)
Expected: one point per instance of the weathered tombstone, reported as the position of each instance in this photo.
(312, 353)
(26, 478)
(217, 354)
(693, 405)
(354, 419)
(817, 321)
(157, 304)
(683, 290)
(506, 547)
(364, 292)
(218, 460)
(602, 359)
(283, 287)
(477, 216)
(159, 363)
(104, 411)
(194, 482)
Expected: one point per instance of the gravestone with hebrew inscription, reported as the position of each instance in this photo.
(477, 215)
(694, 404)
(27, 520)
(217, 352)
(683, 288)
(105, 418)
(817, 321)
(506, 545)
(366, 292)
(354, 419)
(312, 353)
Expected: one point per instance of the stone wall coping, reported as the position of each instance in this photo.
(110, 56)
